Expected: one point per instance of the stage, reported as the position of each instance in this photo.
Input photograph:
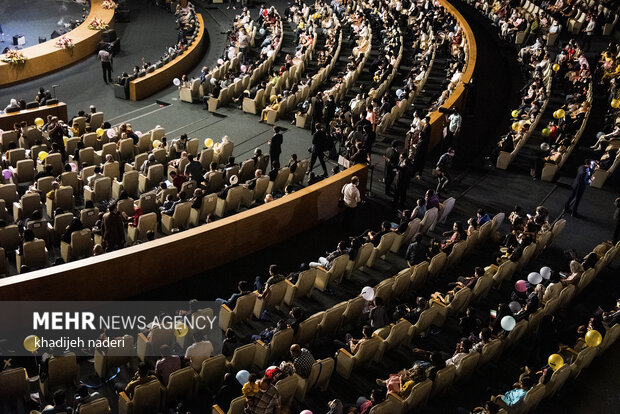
(37, 18)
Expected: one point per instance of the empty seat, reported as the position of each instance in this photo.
(81, 246)
(242, 311)
(147, 399)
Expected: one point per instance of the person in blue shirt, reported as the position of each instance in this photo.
(516, 395)
(482, 216)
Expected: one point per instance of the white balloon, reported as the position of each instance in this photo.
(534, 278)
(176, 81)
(111, 133)
(508, 323)
(545, 272)
(368, 293)
(242, 376)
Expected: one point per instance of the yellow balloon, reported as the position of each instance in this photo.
(208, 143)
(42, 155)
(556, 67)
(273, 98)
(100, 132)
(515, 113)
(615, 103)
(39, 122)
(555, 361)
(30, 343)
(593, 338)
(559, 114)
(516, 126)
(156, 143)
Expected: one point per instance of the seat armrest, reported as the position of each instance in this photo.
(217, 410)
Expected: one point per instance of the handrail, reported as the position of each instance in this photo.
(46, 57)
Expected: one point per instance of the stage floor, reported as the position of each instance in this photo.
(37, 18)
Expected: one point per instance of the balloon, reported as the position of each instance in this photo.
(73, 166)
(399, 92)
(242, 376)
(544, 146)
(111, 133)
(138, 134)
(273, 98)
(270, 371)
(30, 343)
(521, 286)
(593, 338)
(261, 31)
(508, 323)
(208, 143)
(306, 412)
(39, 122)
(42, 155)
(220, 61)
(269, 53)
(516, 126)
(514, 306)
(515, 113)
(615, 103)
(534, 278)
(368, 293)
(176, 82)
(100, 132)
(555, 67)
(156, 143)
(559, 114)
(555, 361)
(545, 272)
(243, 68)
(546, 132)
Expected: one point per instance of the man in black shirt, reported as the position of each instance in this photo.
(275, 146)
(319, 144)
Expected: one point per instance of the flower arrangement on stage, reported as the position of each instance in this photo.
(64, 42)
(15, 57)
(97, 24)
(109, 5)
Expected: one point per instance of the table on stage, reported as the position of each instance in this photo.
(29, 115)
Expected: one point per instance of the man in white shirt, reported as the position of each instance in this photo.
(244, 42)
(462, 350)
(106, 64)
(455, 121)
(198, 352)
(351, 197)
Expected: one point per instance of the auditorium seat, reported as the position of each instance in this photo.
(27, 205)
(367, 353)
(15, 155)
(7, 137)
(149, 345)
(333, 275)
(260, 190)
(242, 311)
(426, 319)
(81, 246)
(55, 160)
(353, 313)
(429, 220)
(106, 361)
(24, 174)
(207, 207)
(129, 184)
(458, 249)
(146, 222)
(394, 335)
(417, 398)
(147, 202)
(14, 388)
(436, 265)
(237, 406)
(278, 185)
(44, 185)
(274, 351)
(320, 375)
(206, 156)
(443, 380)
(180, 388)
(154, 176)
(34, 256)
(382, 248)
(179, 219)
(557, 380)
(243, 357)
(8, 193)
(360, 260)
(190, 94)
(332, 320)
(212, 373)
(215, 182)
(147, 398)
(308, 329)
(101, 191)
(246, 172)
(62, 199)
(271, 298)
(62, 372)
(302, 288)
(98, 406)
(125, 152)
(287, 388)
(231, 203)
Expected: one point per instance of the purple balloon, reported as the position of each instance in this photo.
(6, 173)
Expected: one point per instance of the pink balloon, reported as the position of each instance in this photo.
(138, 134)
(111, 133)
(73, 166)
(521, 286)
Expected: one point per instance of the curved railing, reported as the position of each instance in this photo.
(161, 78)
(46, 57)
(458, 95)
(140, 268)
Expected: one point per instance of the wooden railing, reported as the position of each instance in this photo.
(137, 269)
(458, 95)
(161, 78)
(46, 57)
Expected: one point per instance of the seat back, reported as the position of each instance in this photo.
(25, 171)
(243, 357)
(305, 282)
(130, 182)
(354, 310)
(206, 156)
(70, 179)
(16, 155)
(61, 222)
(332, 318)
(8, 193)
(363, 254)
(429, 220)
(112, 170)
(419, 275)
(212, 372)
(102, 189)
(443, 380)
(448, 205)
(490, 351)
(419, 394)
(147, 202)
(9, 238)
(180, 385)
(215, 182)
(147, 398)
(467, 366)
(81, 244)
(62, 371)
(35, 254)
(307, 329)
(13, 384)
(181, 213)
(64, 198)
(260, 189)
(338, 268)
(399, 333)
(155, 174)
(55, 160)
(30, 203)
(244, 307)
(281, 179)
(436, 265)
(146, 222)
(320, 374)
(287, 387)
